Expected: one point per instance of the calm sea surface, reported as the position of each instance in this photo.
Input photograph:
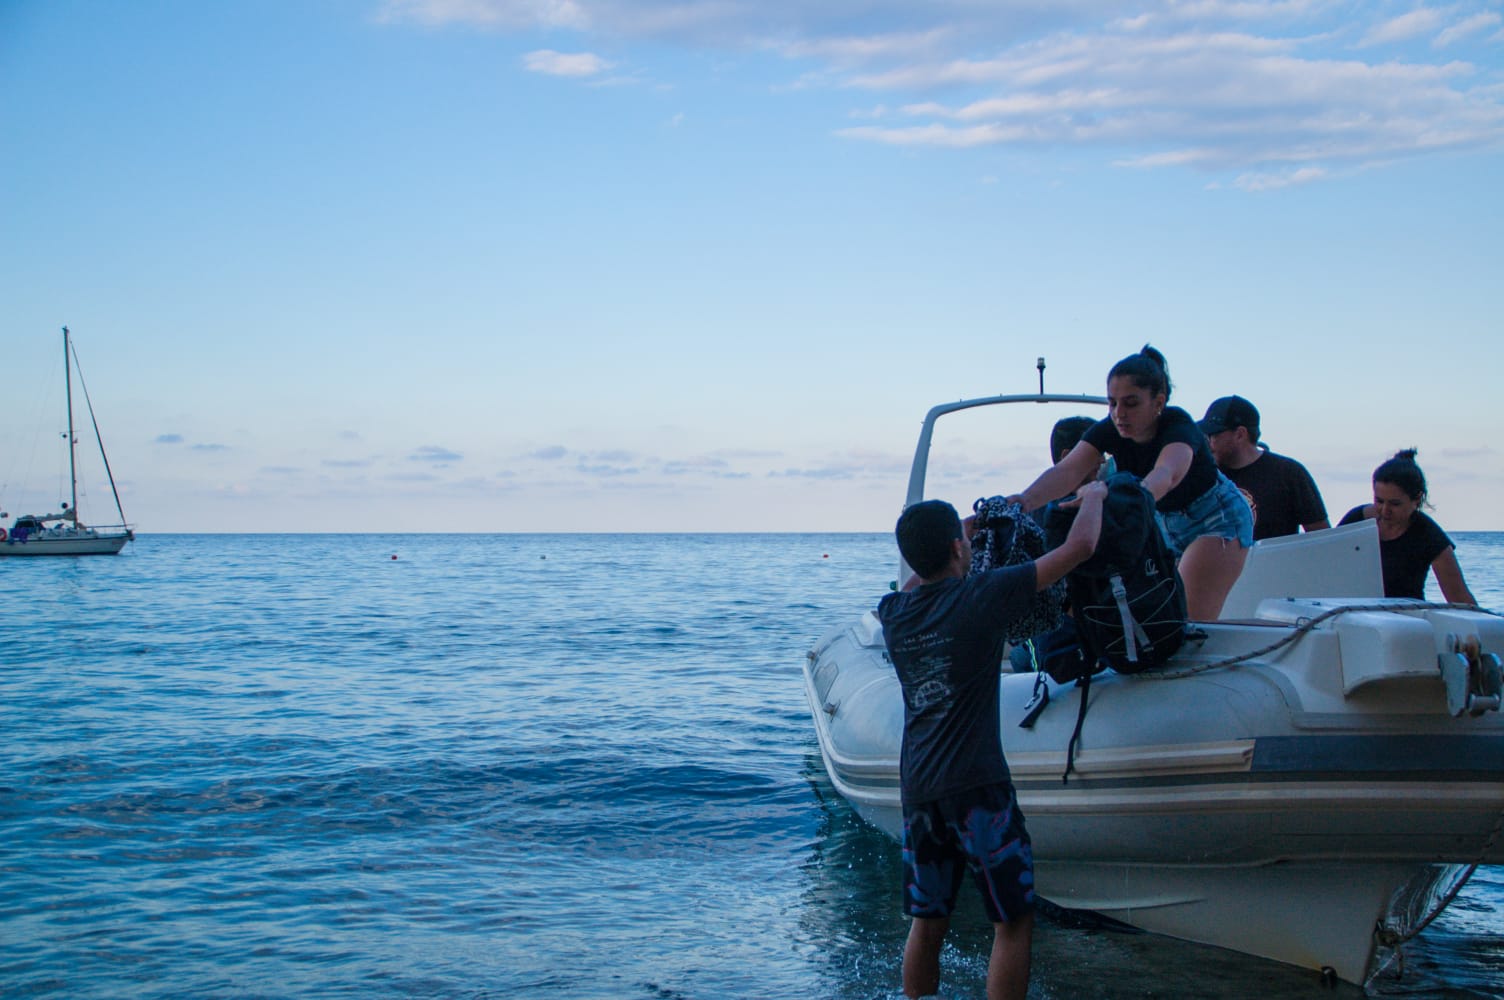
(564, 766)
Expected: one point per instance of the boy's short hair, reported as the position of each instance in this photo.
(925, 531)
(1066, 434)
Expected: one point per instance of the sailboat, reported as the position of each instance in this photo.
(63, 533)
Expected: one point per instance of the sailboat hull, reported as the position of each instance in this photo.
(75, 545)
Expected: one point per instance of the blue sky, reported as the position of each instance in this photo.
(431, 265)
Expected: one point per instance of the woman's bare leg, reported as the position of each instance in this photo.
(1209, 568)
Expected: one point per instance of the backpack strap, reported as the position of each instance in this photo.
(1084, 684)
(1133, 633)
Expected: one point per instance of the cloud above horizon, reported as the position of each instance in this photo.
(435, 454)
(551, 63)
(1273, 94)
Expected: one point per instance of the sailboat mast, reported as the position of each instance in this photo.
(72, 443)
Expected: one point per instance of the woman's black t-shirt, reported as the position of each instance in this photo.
(1407, 559)
(1175, 425)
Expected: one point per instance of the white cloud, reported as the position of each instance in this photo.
(856, 50)
(1288, 178)
(1403, 28)
(503, 14)
(1464, 28)
(1256, 89)
(1217, 102)
(938, 135)
(552, 63)
(435, 454)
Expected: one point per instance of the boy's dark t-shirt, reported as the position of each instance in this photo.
(1175, 425)
(1407, 559)
(946, 643)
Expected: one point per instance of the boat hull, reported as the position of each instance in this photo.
(1282, 807)
(77, 545)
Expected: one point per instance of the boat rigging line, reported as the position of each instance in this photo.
(97, 436)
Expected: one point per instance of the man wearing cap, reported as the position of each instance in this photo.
(1282, 493)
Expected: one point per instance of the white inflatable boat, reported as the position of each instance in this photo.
(1310, 778)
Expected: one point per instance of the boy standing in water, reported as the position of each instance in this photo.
(944, 633)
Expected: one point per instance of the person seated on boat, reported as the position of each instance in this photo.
(945, 639)
(1281, 492)
(1410, 542)
(1206, 521)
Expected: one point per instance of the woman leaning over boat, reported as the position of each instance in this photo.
(1410, 542)
(1205, 518)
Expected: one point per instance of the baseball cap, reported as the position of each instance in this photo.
(1229, 412)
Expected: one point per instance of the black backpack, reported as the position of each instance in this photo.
(1127, 599)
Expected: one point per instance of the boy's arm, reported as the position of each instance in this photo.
(1080, 543)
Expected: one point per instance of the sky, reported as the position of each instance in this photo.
(595, 265)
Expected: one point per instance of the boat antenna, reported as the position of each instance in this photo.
(97, 436)
(1040, 365)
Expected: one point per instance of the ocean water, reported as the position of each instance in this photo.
(569, 766)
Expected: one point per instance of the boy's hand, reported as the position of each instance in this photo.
(1096, 492)
(1092, 491)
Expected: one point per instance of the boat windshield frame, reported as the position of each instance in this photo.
(927, 431)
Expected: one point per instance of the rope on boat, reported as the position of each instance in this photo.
(1302, 627)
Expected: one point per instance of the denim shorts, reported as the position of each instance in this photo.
(1221, 512)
